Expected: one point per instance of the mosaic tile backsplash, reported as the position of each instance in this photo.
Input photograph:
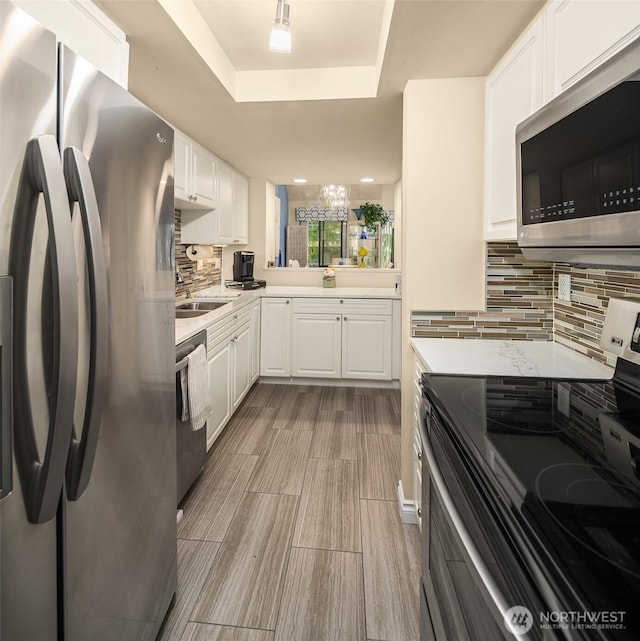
(519, 302)
(522, 304)
(578, 323)
(195, 279)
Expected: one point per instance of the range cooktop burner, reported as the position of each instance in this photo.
(595, 509)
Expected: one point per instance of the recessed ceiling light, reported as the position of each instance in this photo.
(367, 180)
(300, 181)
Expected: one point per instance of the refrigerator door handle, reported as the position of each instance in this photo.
(42, 480)
(83, 446)
(6, 465)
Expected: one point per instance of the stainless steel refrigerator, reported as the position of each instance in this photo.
(87, 514)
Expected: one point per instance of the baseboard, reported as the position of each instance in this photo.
(330, 382)
(407, 507)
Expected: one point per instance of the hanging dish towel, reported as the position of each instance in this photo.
(198, 387)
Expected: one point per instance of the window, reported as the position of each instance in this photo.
(325, 242)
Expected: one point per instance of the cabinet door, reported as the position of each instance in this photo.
(255, 339)
(366, 347)
(182, 162)
(202, 176)
(275, 337)
(85, 29)
(241, 363)
(513, 92)
(316, 342)
(224, 206)
(582, 35)
(220, 381)
(240, 210)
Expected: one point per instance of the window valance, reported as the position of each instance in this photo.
(315, 214)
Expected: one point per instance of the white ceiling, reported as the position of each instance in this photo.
(188, 59)
(325, 33)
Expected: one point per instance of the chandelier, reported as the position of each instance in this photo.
(336, 196)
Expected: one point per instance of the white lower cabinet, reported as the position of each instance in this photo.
(275, 337)
(366, 347)
(241, 349)
(220, 369)
(230, 347)
(317, 343)
(417, 445)
(327, 338)
(255, 341)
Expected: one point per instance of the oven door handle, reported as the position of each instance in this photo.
(488, 581)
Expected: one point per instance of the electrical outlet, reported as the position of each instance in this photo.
(199, 265)
(564, 287)
(216, 263)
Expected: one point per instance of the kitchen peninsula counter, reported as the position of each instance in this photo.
(188, 327)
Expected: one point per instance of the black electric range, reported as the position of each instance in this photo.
(563, 459)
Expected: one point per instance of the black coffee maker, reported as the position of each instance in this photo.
(243, 266)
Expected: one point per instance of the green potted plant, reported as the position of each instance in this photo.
(374, 214)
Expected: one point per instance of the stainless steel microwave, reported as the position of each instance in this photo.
(578, 168)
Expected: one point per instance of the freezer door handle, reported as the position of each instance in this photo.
(6, 465)
(83, 446)
(42, 480)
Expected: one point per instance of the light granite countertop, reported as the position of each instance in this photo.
(544, 359)
(188, 327)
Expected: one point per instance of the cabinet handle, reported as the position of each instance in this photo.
(419, 456)
(195, 198)
(235, 316)
(420, 512)
(288, 302)
(341, 302)
(346, 318)
(337, 318)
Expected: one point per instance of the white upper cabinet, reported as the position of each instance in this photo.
(562, 45)
(223, 224)
(87, 31)
(194, 182)
(203, 175)
(513, 92)
(213, 197)
(582, 34)
(240, 209)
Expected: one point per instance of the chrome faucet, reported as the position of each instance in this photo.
(188, 293)
(179, 278)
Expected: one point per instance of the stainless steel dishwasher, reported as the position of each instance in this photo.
(191, 446)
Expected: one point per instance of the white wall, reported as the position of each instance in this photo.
(442, 218)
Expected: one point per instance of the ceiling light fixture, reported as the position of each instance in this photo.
(336, 196)
(367, 180)
(280, 40)
(300, 181)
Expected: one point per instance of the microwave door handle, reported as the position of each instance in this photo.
(42, 480)
(467, 542)
(83, 447)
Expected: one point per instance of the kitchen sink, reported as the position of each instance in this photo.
(201, 305)
(190, 313)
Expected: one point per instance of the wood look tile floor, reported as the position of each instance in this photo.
(292, 532)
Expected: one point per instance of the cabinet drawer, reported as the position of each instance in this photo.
(342, 306)
(219, 331)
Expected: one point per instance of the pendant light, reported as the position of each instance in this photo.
(280, 40)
